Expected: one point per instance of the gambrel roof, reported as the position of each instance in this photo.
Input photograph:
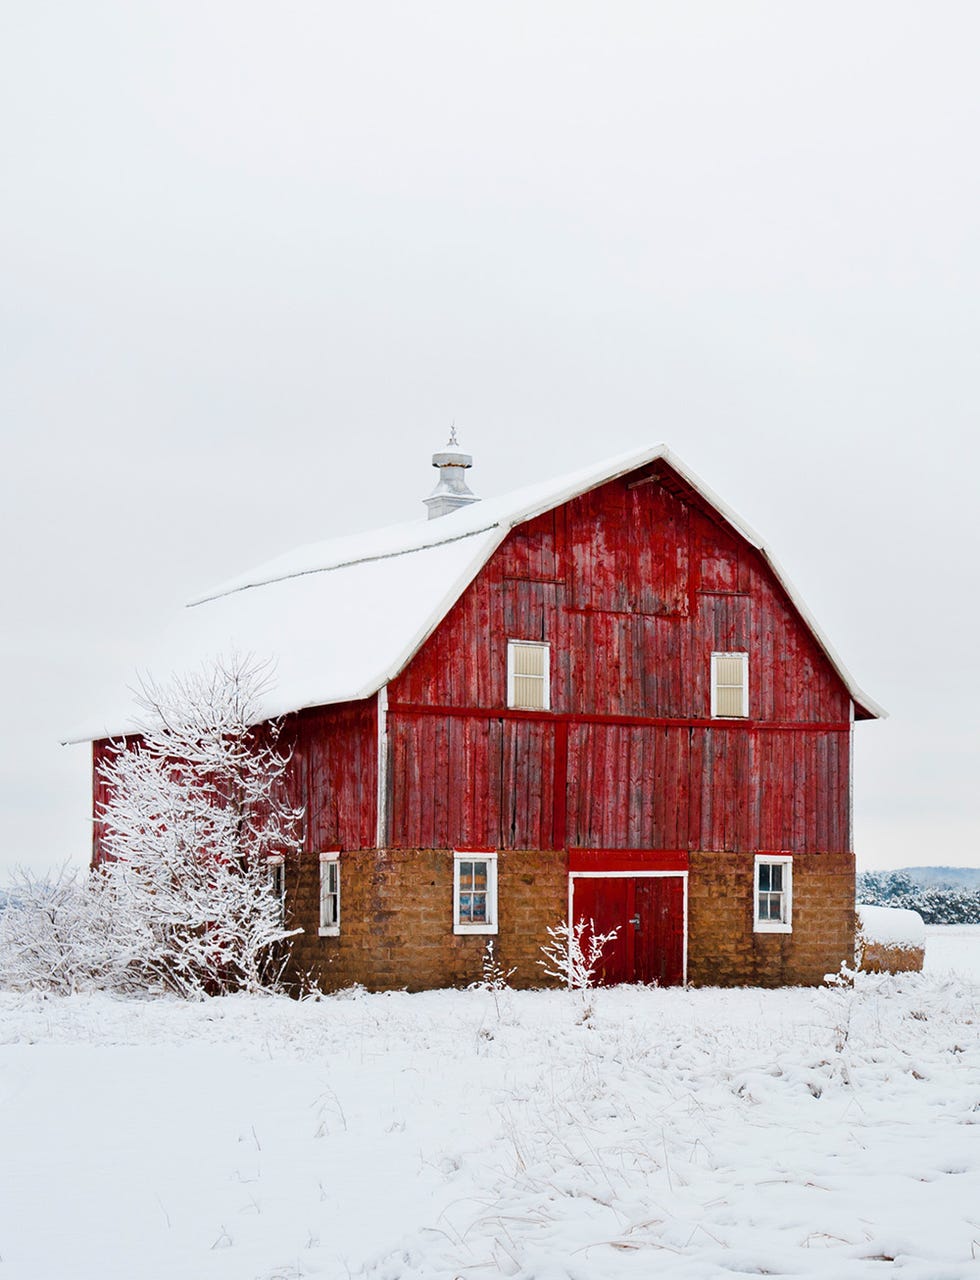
(343, 617)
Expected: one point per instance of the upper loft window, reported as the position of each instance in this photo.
(729, 684)
(528, 675)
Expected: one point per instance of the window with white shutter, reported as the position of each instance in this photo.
(729, 684)
(528, 675)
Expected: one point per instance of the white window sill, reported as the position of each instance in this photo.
(331, 931)
(771, 926)
(474, 928)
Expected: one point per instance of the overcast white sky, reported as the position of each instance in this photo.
(255, 258)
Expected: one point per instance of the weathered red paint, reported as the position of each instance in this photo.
(628, 860)
(334, 773)
(333, 776)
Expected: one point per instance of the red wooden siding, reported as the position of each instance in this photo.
(334, 774)
(715, 788)
(474, 780)
(633, 586)
(628, 550)
(491, 782)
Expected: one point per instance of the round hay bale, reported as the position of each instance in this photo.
(889, 940)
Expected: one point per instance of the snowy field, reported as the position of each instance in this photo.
(831, 1133)
(953, 948)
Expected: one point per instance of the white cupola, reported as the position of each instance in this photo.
(452, 491)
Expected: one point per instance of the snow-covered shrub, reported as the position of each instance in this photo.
(44, 931)
(574, 952)
(58, 934)
(196, 809)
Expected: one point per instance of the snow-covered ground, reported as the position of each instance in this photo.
(831, 1133)
(953, 948)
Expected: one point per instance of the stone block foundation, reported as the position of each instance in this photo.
(396, 916)
(397, 921)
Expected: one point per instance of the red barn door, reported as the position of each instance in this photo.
(659, 939)
(604, 903)
(648, 912)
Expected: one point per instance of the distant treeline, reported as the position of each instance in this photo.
(936, 903)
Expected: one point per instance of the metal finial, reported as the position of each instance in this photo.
(452, 442)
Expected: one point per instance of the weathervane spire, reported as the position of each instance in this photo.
(452, 442)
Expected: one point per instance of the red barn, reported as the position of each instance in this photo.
(597, 698)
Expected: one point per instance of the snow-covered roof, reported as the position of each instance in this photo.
(341, 618)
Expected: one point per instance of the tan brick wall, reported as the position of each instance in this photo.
(397, 920)
(723, 949)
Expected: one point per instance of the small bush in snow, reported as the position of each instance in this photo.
(574, 952)
(495, 976)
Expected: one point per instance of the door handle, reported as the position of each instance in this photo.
(635, 921)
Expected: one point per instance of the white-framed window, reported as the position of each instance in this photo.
(275, 867)
(330, 894)
(729, 684)
(475, 891)
(528, 675)
(773, 893)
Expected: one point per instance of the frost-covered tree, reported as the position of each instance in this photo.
(937, 903)
(879, 888)
(197, 832)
